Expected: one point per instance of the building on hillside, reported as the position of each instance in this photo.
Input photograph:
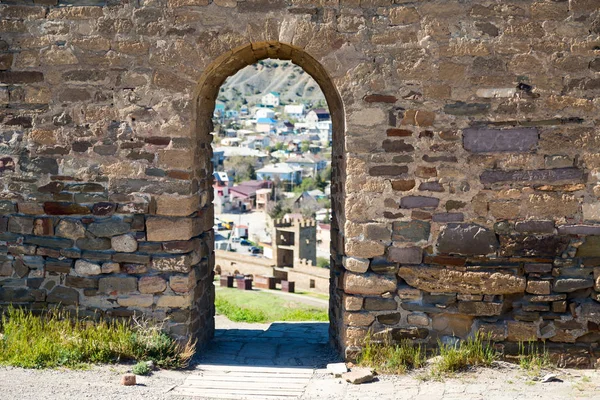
(231, 141)
(294, 240)
(323, 214)
(263, 197)
(266, 125)
(310, 164)
(285, 128)
(282, 172)
(257, 142)
(219, 111)
(221, 187)
(325, 132)
(218, 157)
(295, 111)
(323, 237)
(271, 99)
(305, 200)
(228, 152)
(243, 195)
(315, 116)
(262, 112)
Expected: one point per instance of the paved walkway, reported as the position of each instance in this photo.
(289, 344)
(286, 361)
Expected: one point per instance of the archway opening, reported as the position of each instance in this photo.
(207, 99)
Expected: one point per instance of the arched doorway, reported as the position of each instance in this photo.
(206, 94)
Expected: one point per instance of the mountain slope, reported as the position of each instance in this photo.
(251, 83)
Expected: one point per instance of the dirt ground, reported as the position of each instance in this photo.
(298, 345)
(103, 382)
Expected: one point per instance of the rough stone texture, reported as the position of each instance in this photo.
(467, 239)
(496, 140)
(449, 281)
(488, 111)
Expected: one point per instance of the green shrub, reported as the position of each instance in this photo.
(531, 358)
(55, 339)
(141, 368)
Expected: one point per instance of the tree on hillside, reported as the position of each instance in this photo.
(242, 168)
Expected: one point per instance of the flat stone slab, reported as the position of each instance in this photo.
(337, 369)
(358, 376)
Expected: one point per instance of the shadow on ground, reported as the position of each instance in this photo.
(282, 344)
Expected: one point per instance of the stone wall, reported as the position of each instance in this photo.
(465, 155)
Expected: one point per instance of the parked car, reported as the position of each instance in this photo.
(245, 242)
(254, 250)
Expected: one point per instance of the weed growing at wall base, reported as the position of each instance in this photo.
(389, 358)
(53, 339)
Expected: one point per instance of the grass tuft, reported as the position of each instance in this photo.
(392, 358)
(475, 351)
(532, 359)
(53, 339)
(141, 368)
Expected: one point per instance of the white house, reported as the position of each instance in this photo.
(270, 99)
(281, 171)
(263, 113)
(315, 116)
(294, 110)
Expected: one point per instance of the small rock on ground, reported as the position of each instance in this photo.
(358, 376)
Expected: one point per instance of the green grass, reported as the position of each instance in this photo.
(532, 359)
(53, 340)
(475, 351)
(253, 306)
(390, 358)
(387, 357)
(141, 368)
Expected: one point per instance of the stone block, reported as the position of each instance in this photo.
(85, 268)
(182, 283)
(479, 308)
(169, 229)
(405, 255)
(176, 206)
(539, 175)
(538, 287)
(521, 331)
(379, 304)
(21, 225)
(368, 284)
(117, 285)
(353, 303)
(124, 243)
(410, 231)
(396, 146)
(442, 280)
(535, 226)
(388, 170)
(166, 301)
(483, 140)
(364, 248)
(136, 301)
(70, 229)
(151, 285)
(419, 202)
(64, 296)
(532, 245)
(109, 228)
(467, 239)
(568, 285)
(358, 265)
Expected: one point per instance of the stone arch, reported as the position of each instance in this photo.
(205, 96)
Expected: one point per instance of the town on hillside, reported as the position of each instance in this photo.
(272, 180)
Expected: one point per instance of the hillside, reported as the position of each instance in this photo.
(251, 83)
